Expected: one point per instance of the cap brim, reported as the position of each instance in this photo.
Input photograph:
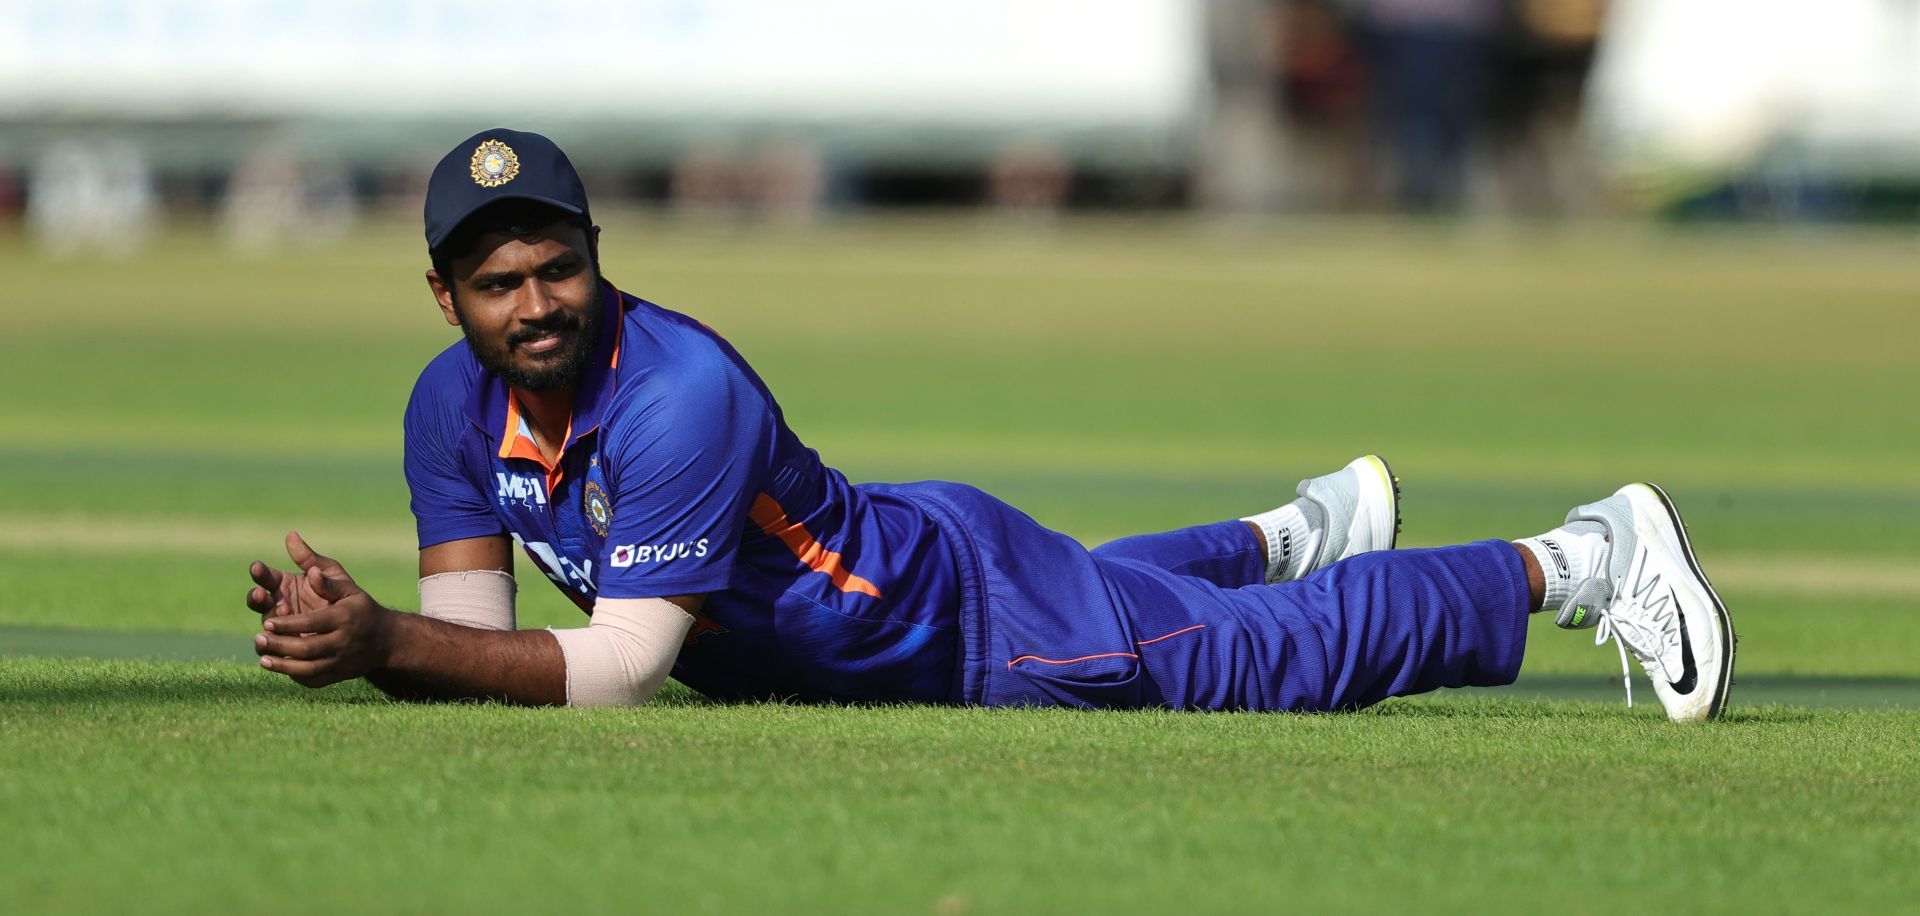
(433, 244)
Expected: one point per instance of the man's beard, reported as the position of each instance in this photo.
(557, 371)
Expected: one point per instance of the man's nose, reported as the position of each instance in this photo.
(536, 302)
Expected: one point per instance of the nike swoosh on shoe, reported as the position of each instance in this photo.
(1690, 675)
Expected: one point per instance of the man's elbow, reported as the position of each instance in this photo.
(608, 668)
(620, 684)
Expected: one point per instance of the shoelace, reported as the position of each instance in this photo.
(1597, 595)
(1604, 631)
(1641, 641)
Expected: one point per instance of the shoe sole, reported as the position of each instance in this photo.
(1723, 619)
(1392, 482)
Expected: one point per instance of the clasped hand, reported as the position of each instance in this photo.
(317, 626)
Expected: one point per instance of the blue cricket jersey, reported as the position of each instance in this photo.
(679, 476)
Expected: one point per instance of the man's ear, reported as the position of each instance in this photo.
(593, 247)
(443, 294)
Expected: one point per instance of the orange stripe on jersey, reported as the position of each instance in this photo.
(773, 520)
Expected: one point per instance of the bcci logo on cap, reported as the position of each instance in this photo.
(494, 164)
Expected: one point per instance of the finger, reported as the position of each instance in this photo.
(320, 621)
(328, 587)
(269, 603)
(295, 668)
(304, 556)
(307, 593)
(260, 601)
(304, 673)
(265, 576)
(304, 648)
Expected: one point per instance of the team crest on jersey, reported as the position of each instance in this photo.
(599, 512)
(494, 164)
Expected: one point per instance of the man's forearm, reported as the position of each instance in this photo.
(428, 659)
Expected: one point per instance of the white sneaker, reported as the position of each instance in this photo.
(1362, 506)
(1651, 598)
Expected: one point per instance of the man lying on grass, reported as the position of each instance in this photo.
(643, 466)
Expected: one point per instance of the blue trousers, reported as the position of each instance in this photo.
(1183, 620)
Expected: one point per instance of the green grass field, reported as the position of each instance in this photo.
(173, 414)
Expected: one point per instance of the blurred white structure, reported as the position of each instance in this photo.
(91, 197)
(1115, 78)
(1730, 86)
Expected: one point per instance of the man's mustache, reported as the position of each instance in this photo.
(555, 325)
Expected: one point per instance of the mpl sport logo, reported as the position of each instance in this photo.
(520, 489)
(627, 555)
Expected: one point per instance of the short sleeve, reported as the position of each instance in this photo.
(447, 504)
(683, 463)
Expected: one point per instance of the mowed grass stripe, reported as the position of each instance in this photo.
(366, 491)
(1783, 572)
(1159, 440)
(1813, 691)
(897, 277)
(124, 535)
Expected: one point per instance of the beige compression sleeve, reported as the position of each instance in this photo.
(623, 657)
(481, 598)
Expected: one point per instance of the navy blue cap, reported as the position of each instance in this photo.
(496, 165)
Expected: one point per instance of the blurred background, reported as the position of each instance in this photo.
(1129, 264)
(275, 117)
